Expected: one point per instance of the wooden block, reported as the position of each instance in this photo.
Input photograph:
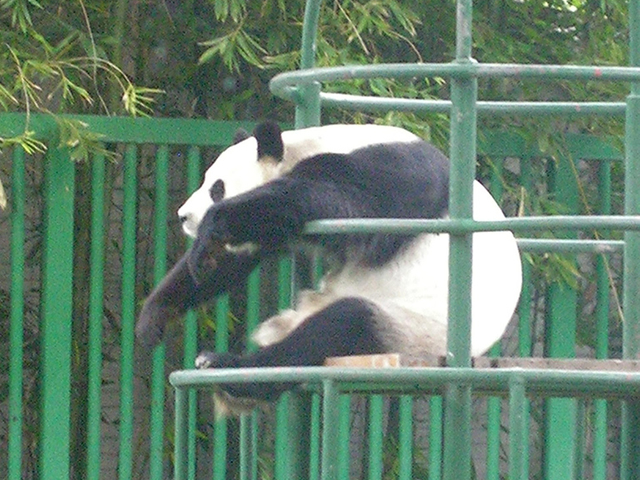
(383, 361)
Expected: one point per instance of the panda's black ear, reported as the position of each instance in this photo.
(269, 137)
(240, 135)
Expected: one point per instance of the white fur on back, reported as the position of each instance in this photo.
(240, 170)
(412, 290)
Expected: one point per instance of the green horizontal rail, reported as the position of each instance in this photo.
(464, 226)
(375, 104)
(163, 131)
(571, 246)
(538, 382)
(283, 85)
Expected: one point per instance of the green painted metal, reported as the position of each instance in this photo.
(330, 431)
(158, 377)
(96, 305)
(405, 438)
(56, 315)
(220, 429)
(435, 437)
(138, 130)
(191, 324)
(600, 428)
(376, 436)
(560, 340)
(518, 430)
(283, 84)
(181, 465)
(344, 460)
(16, 335)
(630, 449)
(125, 459)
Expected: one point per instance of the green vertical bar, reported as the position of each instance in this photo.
(330, 431)
(314, 438)
(630, 444)
(308, 98)
(16, 334)
(405, 438)
(56, 315)
(435, 437)
(602, 334)
(96, 305)
(518, 430)
(220, 426)
(494, 426)
(181, 466)
(191, 326)
(249, 423)
(282, 441)
(156, 430)
(376, 405)
(560, 333)
(457, 433)
(344, 434)
(129, 208)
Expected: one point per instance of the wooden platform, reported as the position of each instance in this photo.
(395, 360)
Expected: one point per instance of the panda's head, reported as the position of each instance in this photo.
(251, 161)
(270, 153)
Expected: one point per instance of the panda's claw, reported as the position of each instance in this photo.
(209, 359)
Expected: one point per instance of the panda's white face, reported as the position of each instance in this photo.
(238, 168)
(235, 171)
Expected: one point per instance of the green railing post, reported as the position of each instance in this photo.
(16, 334)
(96, 313)
(308, 96)
(457, 435)
(56, 315)
(630, 449)
(158, 379)
(560, 337)
(128, 308)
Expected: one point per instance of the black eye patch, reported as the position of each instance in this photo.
(216, 192)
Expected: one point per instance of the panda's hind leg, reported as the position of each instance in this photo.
(348, 326)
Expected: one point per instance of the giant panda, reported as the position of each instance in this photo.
(382, 292)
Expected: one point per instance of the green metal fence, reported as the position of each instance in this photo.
(84, 402)
(562, 429)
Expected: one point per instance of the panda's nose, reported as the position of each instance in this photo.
(183, 219)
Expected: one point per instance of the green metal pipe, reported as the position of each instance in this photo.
(96, 313)
(376, 436)
(554, 382)
(630, 441)
(518, 430)
(435, 437)
(330, 430)
(129, 207)
(344, 433)
(285, 84)
(56, 315)
(600, 427)
(158, 379)
(485, 108)
(181, 467)
(463, 226)
(16, 333)
(220, 437)
(405, 438)
(191, 324)
(308, 96)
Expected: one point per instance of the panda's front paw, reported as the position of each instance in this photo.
(208, 359)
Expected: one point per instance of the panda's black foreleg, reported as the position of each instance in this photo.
(348, 326)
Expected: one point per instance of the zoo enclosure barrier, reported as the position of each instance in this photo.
(303, 87)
